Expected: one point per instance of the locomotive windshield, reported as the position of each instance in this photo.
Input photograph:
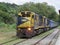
(25, 14)
(21, 20)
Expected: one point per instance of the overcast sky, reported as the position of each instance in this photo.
(55, 3)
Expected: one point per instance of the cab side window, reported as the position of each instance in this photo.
(32, 16)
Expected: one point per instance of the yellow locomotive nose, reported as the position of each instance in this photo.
(26, 22)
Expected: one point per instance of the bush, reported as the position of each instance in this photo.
(3, 25)
(12, 26)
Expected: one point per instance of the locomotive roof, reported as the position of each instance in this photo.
(25, 12)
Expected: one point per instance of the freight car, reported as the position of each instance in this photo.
(30, 24)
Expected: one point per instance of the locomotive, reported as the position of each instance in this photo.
(30, 24)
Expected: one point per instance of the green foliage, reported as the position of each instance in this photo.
(13, 26)
(9, 26)
(3, 25)
(8, 12)
(41, 9)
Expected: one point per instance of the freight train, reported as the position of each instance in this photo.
(30, 24)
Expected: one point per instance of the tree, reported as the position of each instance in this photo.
(41, 9)
(8, 11)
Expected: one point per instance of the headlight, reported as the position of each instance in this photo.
(29, 29)
(19, 29)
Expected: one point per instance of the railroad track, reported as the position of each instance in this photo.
(8, 41)
(53, 37)
(20, 42)
(24, 40)
(12, 41)
(28, 40)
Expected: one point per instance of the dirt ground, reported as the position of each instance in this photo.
(4, 36)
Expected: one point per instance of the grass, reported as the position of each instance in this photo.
(6, 35)
(7, 27)
(13, 42)
(7, 32)
(58, 27)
